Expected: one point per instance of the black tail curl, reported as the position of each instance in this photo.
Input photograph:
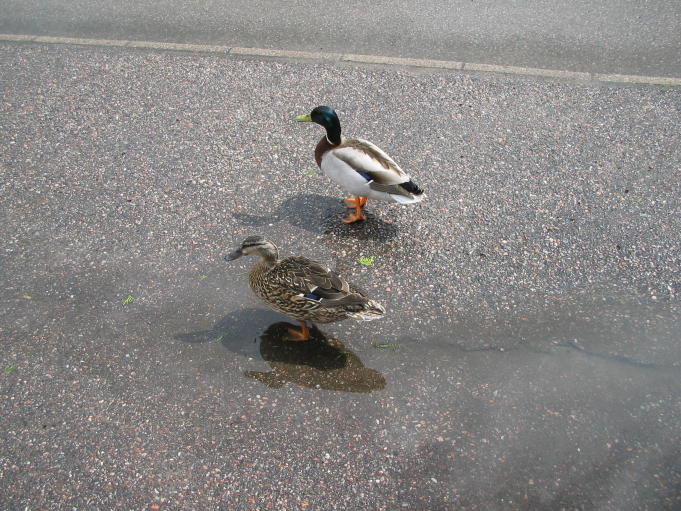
(411, 187)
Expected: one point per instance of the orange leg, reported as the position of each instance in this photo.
(355, 204)
(299, 335)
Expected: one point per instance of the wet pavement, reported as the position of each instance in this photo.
(530, 355)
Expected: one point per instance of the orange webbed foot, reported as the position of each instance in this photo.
(296, 335)
(356, 204)
(352, 218)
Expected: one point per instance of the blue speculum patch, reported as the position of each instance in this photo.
(312, 296)
(364, 175)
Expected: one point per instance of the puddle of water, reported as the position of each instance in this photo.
(321, 362)
(620, 328)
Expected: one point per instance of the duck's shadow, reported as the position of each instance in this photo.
(321, 214)
(321, 362)
(236, 331)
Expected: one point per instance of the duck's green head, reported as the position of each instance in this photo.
(254, 245)
(327, 117)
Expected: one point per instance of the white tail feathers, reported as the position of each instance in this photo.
(402, 199)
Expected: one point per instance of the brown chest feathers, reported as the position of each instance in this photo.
(322, 147)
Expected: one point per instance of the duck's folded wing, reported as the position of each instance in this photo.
(316, 282)
(398, 189)
(370, 161)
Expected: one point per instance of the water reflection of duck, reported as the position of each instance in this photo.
(319, 363)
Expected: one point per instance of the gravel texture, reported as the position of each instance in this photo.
(530, 356)
(609, 36)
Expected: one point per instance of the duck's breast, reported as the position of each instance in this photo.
(344, 175)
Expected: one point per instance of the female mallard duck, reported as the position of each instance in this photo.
(303, 289)
(360, 167)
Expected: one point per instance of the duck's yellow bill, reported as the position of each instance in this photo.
(303, 118)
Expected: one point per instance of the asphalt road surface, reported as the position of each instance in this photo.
(530, 356)
(611, 36)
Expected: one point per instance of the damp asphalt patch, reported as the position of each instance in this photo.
(531, 356)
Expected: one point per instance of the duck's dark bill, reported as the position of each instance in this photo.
(234, 255)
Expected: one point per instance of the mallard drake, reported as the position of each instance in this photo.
(303, 289)
(358, 166)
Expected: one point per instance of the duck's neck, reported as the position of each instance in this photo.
(269, 258)
(333, 132)
(262, 267)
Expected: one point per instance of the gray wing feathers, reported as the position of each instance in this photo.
(307, 276)
(396, 189)
(364, 156)
(343, 300)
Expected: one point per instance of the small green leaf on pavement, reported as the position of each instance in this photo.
(385, 345)
(366, 261)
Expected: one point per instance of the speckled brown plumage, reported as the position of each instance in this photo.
(304, 289)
